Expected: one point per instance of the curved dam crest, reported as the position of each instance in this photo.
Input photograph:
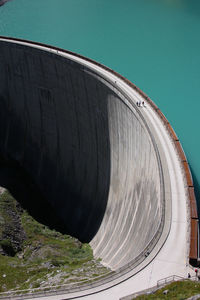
(72, 115)
(76, 143)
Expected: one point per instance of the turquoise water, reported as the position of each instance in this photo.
(154, 43)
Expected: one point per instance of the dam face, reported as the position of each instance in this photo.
(76, 152)
(54, 128)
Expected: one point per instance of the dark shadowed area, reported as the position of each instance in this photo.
(54, 139)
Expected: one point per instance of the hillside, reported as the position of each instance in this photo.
(32, 255)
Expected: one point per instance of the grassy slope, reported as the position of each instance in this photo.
(46, 257)
(176, 291)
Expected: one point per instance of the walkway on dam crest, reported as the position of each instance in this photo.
(170, 256)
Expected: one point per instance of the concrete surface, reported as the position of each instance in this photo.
(146, 215)
(54, 133)
(87, 151)
(134, 207)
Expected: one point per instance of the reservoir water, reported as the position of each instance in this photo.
(154, 43)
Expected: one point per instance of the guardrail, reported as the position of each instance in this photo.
(160, 284)
(169, 279)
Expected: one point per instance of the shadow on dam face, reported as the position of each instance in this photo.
(76, 154)
(54, 138)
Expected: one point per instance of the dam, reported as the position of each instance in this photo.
(72, 133)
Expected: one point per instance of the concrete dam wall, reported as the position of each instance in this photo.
(77, 153)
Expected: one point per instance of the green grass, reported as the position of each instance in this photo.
(178, 290)
(44, 255)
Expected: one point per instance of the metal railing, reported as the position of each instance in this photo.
(169, 279)
(160, 284)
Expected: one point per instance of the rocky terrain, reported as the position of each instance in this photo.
(33, 256)
(12, 234)
(1, 190)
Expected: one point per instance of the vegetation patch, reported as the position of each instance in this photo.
(33, 256)
(178, 290)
